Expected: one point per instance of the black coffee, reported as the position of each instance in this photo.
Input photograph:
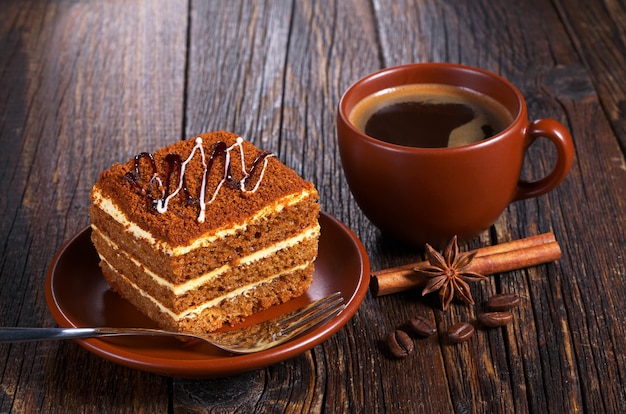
(430, 116)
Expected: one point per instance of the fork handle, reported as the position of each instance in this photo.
(42, 334)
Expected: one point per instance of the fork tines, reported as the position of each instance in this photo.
(311, 315)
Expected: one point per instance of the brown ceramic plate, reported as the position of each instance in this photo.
(78, 296)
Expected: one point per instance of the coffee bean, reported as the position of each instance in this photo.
(503, 301)
(461, 331)
(495, 319)
(399, 343)
(421, 326)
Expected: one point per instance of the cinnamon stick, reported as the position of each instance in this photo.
(503, 257)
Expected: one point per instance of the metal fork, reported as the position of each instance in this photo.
(250, 339)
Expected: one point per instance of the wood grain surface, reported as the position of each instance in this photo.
(86, 84)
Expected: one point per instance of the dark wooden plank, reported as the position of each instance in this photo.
(331, 46)
(236, 69)
(81, 85)
(597, 31)
(603, 338)
(236, 84)
(286, 90)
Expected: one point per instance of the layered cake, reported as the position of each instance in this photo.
(205, 231)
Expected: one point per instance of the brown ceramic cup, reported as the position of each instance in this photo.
(429, 195)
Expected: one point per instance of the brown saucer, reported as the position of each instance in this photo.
(78, 296)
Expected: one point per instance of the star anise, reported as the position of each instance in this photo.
(448, 273)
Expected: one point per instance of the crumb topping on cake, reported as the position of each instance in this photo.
(195, 186)
(175, 165)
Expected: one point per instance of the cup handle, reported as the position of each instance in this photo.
(562, 140)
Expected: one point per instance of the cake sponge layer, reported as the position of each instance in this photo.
(275, 259)
(212, 250)
(230, 309)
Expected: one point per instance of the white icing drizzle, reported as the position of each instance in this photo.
(242, 183)
(162, 204)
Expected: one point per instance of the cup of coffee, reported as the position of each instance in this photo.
(434, 150)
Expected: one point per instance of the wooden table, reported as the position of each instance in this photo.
(85, 84)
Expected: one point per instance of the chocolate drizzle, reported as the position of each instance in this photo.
(160, 196)
(174, 164)
(260, 158)
(134, 177)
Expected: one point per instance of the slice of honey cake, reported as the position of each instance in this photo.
(205, 231)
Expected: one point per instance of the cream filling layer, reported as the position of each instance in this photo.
(195, 311)
(111, 209)
(182, 288)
